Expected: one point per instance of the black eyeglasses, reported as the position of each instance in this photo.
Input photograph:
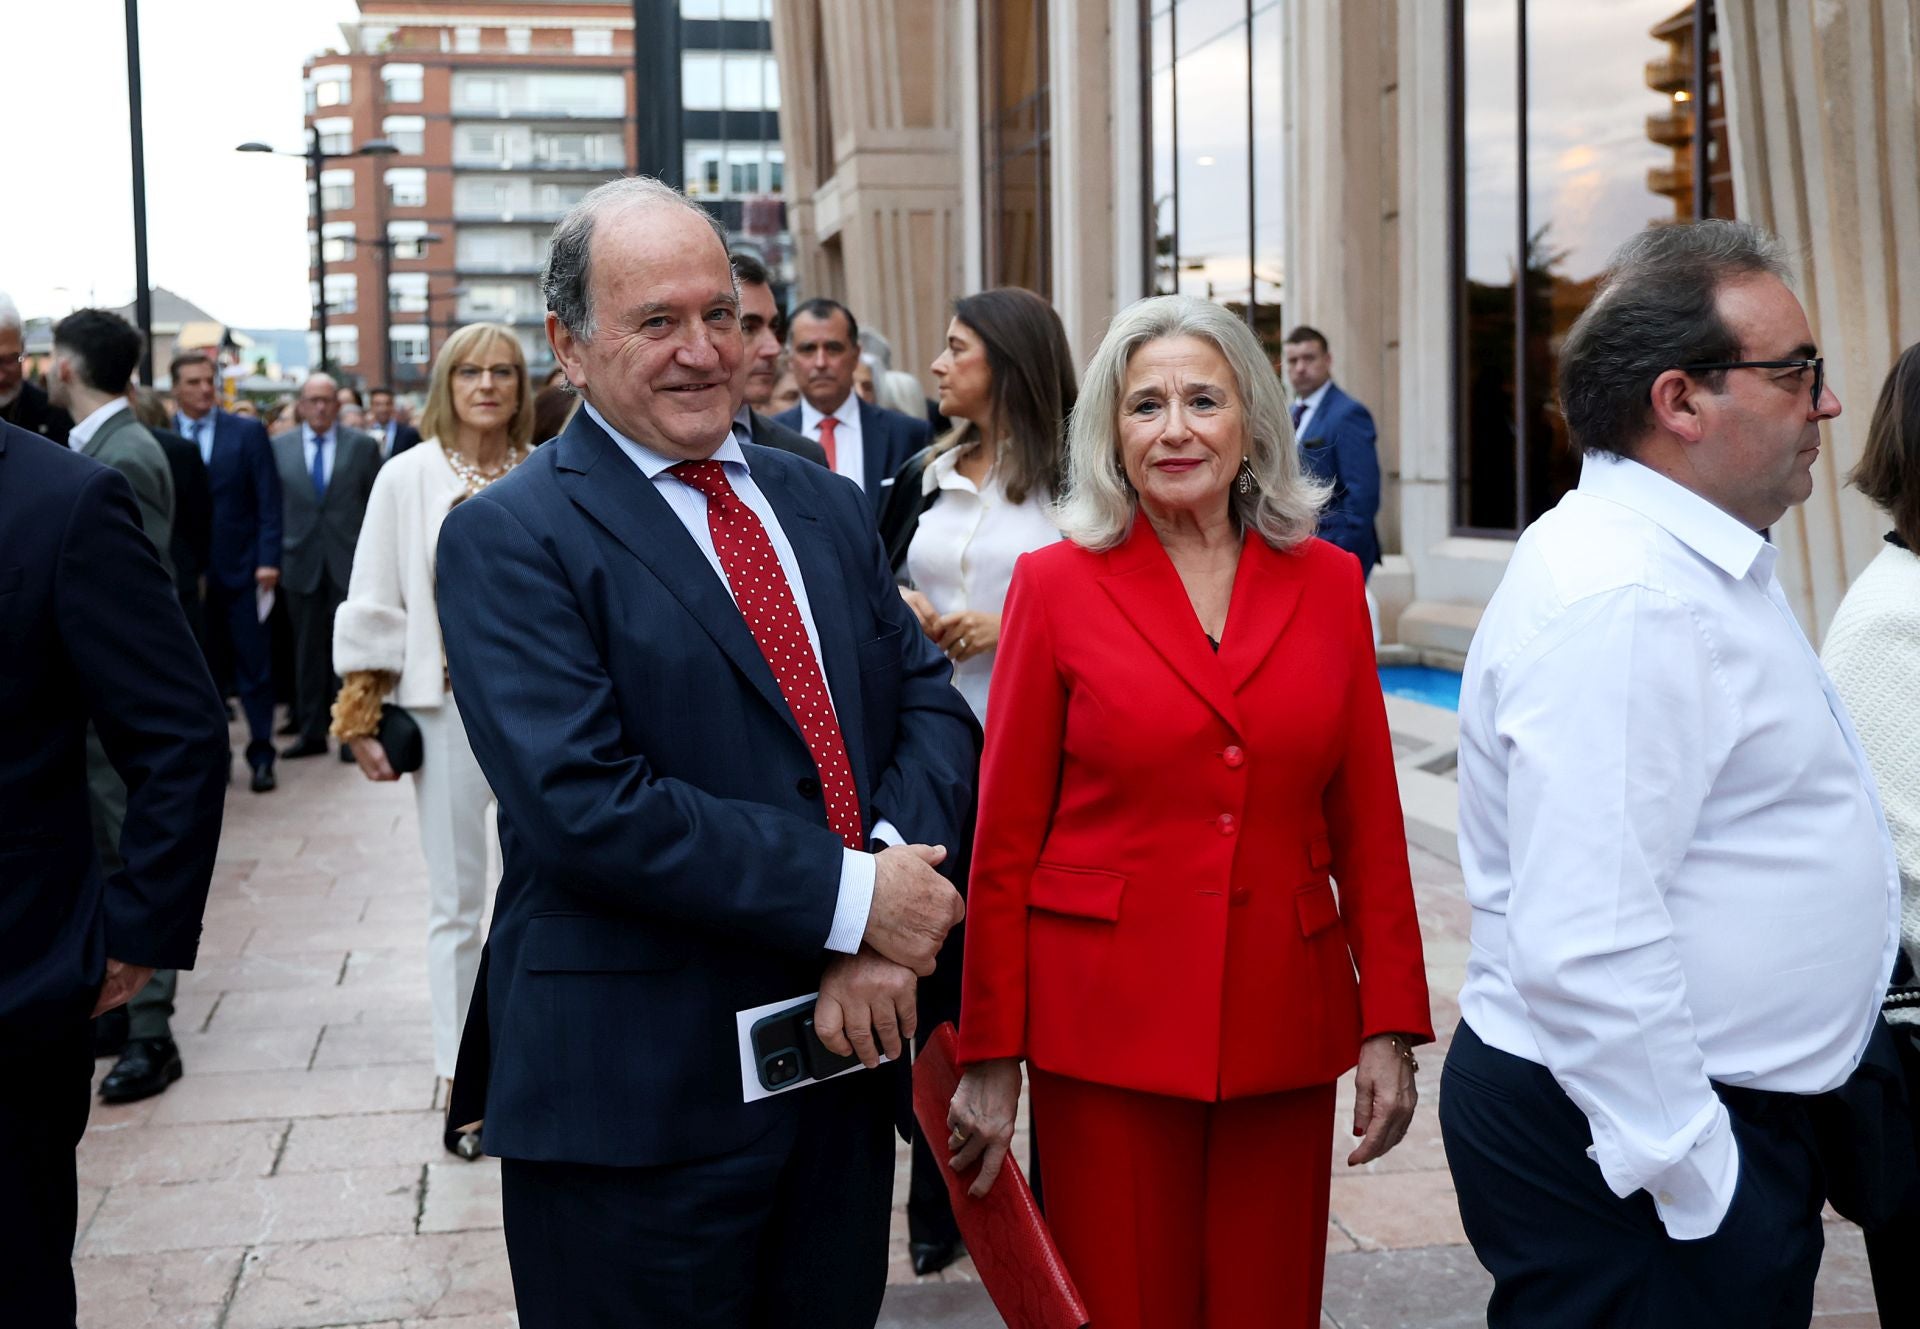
(1818, 365)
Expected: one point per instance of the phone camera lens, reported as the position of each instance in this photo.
(779, 1068)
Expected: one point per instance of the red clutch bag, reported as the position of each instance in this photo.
(1008, 1239)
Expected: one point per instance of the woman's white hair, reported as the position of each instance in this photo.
(1099, 505)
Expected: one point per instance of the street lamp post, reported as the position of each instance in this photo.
(386, 244)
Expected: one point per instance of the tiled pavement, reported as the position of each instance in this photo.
(295, 1179)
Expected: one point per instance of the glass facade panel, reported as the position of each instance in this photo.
(1016, 144)
(1163, 165)
(1269, 174)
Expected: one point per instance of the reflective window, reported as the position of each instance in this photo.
(519, 40)
(1016, 153)
(343, 343)
(337, 241)
(406, 187)
(336, 189)
(409, 342)
(407, 292)
(407, 239)
(343, 293)
(406, 132)
(403, 83)
(466, 40)
(593, 41)
(729, 81)
(336, 135)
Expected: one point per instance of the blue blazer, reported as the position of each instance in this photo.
(91, 630)
(1338, 446)
(247, 514)
(667, 856)
(887, 439)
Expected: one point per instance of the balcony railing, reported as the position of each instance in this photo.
(500, 267)
(539, 162)
(537, 110)
(1670, 180)
(1671, 128)
(475, 213)
(516, 318)
(1669, 74)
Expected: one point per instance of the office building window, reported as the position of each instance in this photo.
(406, 132)
(737, 9)
(408, 239)
(343, 343)
(1573, 129)
(336, 189)
(404, 84)
(729, 81)
(466, 41)
(407, 292)
(1016, 154)
(406, 187)
(329, 85)
(337, 241)
(593, 41)
(409, 341)
(343, 293)
(519, 40)
(336, 135)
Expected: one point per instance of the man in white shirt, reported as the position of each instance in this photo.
(1685, 902)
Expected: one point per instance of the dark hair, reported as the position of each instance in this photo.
(749, 270)
(822, 308)
(104, 346)
(1034, 386)
(382, 391)
(1889, 469)
(1658, 308)
(1305, 333)
(353, 393)
(187, 359)
(552, 409)
(566, 280)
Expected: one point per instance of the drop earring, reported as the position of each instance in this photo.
(1245, 484)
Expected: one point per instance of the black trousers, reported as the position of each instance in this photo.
(43, 1113)
(787, 1233)
(1892, 1249)
(314, 682)
(241, 655)
(1565, 1251)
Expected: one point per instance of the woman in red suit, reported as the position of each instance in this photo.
(1186, 750)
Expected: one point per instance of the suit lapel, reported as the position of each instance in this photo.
(1266, 591)
(1143, 584)
(600, 481)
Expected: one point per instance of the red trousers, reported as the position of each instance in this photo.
(1175, 1214)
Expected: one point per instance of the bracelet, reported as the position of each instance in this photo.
(1405, 1049)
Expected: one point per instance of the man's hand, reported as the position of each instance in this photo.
(981, 1118)
(372, 758)
(123, 981)
(866, 1007)
(913, 906)
(922, 609)
(267, 578)
(1384, 1097)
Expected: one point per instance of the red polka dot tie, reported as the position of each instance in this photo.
(766, 602)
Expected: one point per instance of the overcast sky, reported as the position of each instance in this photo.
(227, 230)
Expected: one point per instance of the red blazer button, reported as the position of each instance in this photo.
(1226, 823)
(1234, 757)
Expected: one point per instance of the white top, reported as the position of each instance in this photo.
(963, 551)
(82, 434)
(1873, 653)
(1677, 862)
(849, 454)
(690, 506)
(1312, 403)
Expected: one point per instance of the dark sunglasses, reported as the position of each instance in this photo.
(1818, 365)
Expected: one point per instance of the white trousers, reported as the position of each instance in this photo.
(453, 800)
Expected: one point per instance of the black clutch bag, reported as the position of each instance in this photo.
(399, 734)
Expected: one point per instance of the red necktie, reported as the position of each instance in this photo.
(766, 602)
(827, 425)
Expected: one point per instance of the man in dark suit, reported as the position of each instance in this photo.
(707, 708)
(1336, 439)
(326, 477)
(245, 550)
(89, 632)
(761, 325)
(393, 434)
(192, 507)
(23, 403)
(866, 443)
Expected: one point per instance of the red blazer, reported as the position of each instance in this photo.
(1150, 904)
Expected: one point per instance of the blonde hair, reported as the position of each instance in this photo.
(1099, 505)
(438, 420)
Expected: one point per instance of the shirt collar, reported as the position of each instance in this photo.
(87, 428)
(308, 436)
(1313, 399)
(1711, 532)
(743, 419)
(943, 472)
(847, 413)
(190, 426)
(651, 463)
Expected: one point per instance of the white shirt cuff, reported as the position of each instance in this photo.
(1693, 1196)
(887, 833)
(855, 903)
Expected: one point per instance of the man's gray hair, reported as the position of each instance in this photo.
(567, 280)
(1658, 308)
(1098, 507)
(10, 314)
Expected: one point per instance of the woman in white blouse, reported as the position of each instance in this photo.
(477, 425)
(985, 491)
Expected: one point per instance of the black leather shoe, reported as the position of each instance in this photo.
(263, 781)
(110, 1033)
(463, 1144)
(930, 1257)
(146, 1068)
(306, 747)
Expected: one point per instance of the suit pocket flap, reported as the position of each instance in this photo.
(1318, 912)
(1320, 853)
(583, 944)
(1082, 892)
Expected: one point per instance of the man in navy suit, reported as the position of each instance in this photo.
(247, 517)
(90, 631)
(393, 434)
(703, 706)
(1336, 439)
(866, 443)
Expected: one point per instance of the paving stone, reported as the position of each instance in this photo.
(255, 1095)
(382, 1044)
(938, 1306)
(461, 1196)
(328, 1144)
(1846, 1284)
(160, 1155)
(1441, 1287)
(363, 1280)
(179, 1290)
(314, 967)
(387, 967)
(136, 1220)
(341, 932)
(1398, 1210)
(328, 1005)
(285, 1048)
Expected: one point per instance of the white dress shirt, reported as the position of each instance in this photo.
(690, 506)
(1675, 854)
(200, 432)
(1312, 402)
(82, 434)
(310, 443)
(849, 454)
(963, 551)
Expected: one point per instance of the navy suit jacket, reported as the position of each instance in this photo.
(91, 630)
(887, 439)
(404, 437)
(1338, 447)
(247, 515)
(667, 856)
(192, 510)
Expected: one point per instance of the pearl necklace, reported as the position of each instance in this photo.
(476, 479)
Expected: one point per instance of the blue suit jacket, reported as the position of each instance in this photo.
(247, 513)
(667, 856)
(1338, 446)
(91, 630)
(887, 439)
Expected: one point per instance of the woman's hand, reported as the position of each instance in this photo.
(1384, 1096)
(981, 1119)
(966, 633)
(922, 609)
(372, 758)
